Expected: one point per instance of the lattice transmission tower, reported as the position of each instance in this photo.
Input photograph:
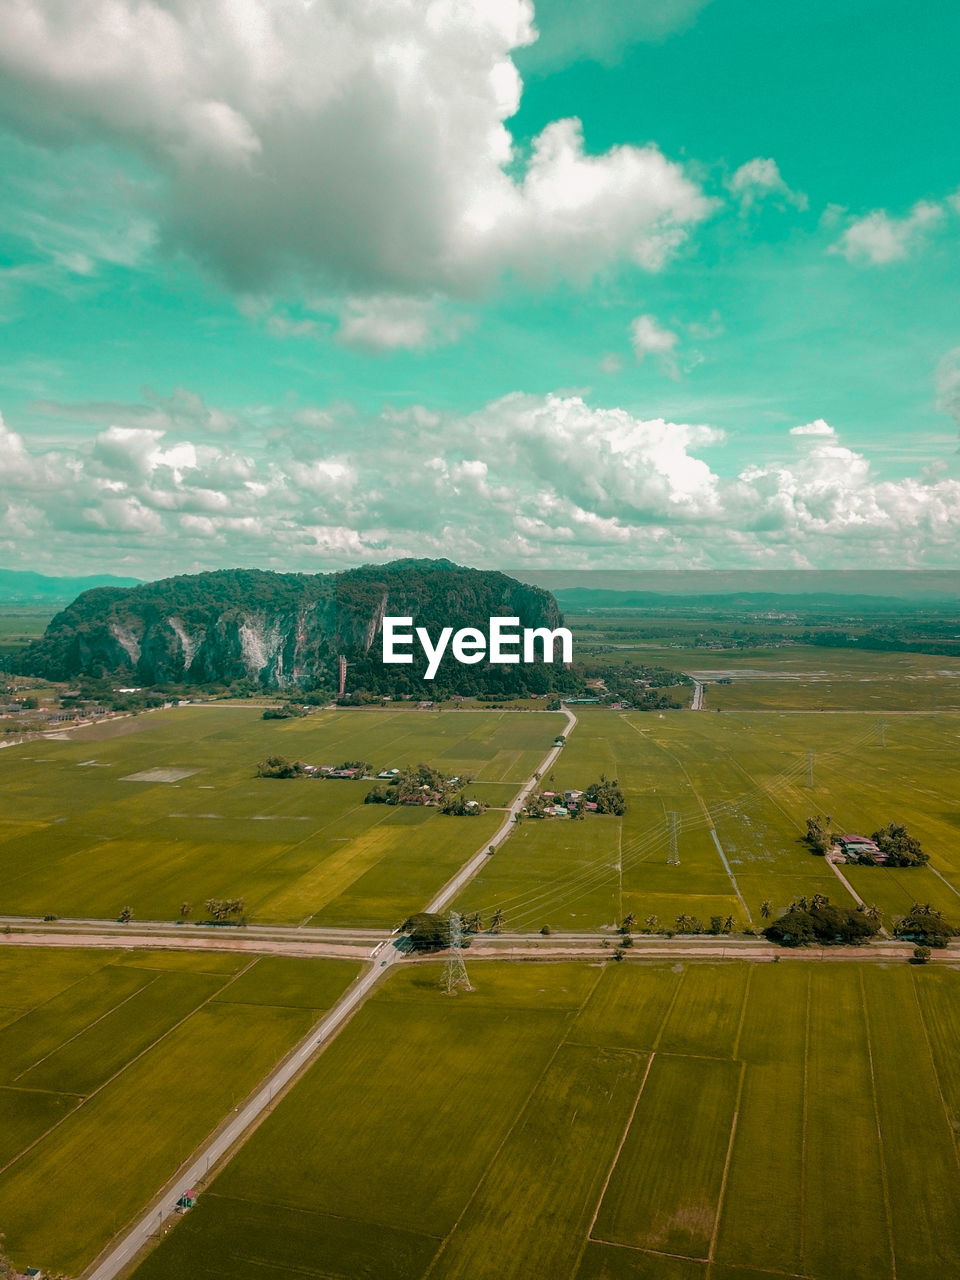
(673, 858)
(454, 975)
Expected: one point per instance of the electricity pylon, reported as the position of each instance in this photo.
(454, 970)
(673, 858)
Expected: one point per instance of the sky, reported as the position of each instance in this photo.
(302, 284)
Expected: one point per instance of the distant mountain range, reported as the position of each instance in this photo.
(20, 587)
(578, 599)
(289, 629)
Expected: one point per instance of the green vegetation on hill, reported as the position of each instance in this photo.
(289, 629)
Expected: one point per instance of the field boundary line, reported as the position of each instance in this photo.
(685, 1257)
(77, 1034)
(614, 1162)
(654, 1049)
(940, 876)
(726, 1168)
(743, 1015)
(521, 1112)
(110, 1079)
(933, 1068)
(804, 1109)
(876, 1111)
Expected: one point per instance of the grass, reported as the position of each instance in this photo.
(81, 840)
(116, 1066)
(595, 1123)
(739, 782)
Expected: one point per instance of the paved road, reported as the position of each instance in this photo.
(153, 1221)
(292, 946)
(470, 869)
(696, 703)
(235, 1128)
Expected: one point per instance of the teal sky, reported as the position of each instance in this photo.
(300, 286)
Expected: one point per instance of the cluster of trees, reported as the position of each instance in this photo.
(286, 711)
(818, 835)
(902, 849)
(926, 926)
(817, 920)
(645, 688)
(424, 785)
(223, 910)
(894, 840)
(414, 784)
(430, 931)
(280, 767)
(458, 806)
(606, 795)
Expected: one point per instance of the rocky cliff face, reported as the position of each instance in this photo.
(281, 630)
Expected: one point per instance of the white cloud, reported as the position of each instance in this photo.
(364, 144)
(649, 337)
(816, 428)
(879, 238)
(518, 480)
(760, 178)
(381, 323)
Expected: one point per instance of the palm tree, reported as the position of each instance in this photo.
(819, 900)
(683, 923)
(651, 922)
(496, 924)
(872, 912)
(765, 909)
(629, 921)
(728, 925)
(184, 910)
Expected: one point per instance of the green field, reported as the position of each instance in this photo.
(740, 782)
(115, 1066)
(782, 677)
(581, 1122)
(80, 838)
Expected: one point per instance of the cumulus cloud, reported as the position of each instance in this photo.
(649, 337)
(518, 481)
(365, 143)
(760, 179)
(816, 428)
(879, 238)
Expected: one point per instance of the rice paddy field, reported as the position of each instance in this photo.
(739, 786)
(783, 677)
(692, 1121)
(164, 808)
(114, 1066)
